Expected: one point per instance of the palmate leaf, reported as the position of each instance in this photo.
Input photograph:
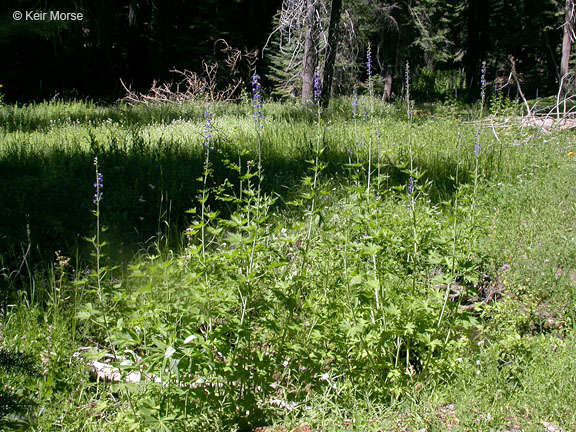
(154, 421)
(370, 249)
(237, 239)
(409, 328)
(87, 312)
(426, 338)
(356, 280)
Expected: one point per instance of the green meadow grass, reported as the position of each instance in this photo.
(328, 282)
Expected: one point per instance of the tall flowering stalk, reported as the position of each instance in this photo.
(378, 156)
(317, 87)
(208, 145)
(257, 101)
(371, 95)
(407, 92)
(258, 119)
(355, 101)
(477, 151)
(316, 168)
(258, 124)
(256, 204)
(98, 194)
(455, 210)
(354, 117)
(482, 87)
(411, 189)
(477, 145)
(369, 64)
(412, 180)
(98, 244)
(409, 113)
(370, 80)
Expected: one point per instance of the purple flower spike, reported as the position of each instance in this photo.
(477, 147)
(407, 75)
(483, 81)
(257, 100)
(369, 62)
(410, 185)
(355, 101)
(99, 185)
(317, 87)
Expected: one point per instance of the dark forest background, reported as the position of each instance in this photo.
(139, 41)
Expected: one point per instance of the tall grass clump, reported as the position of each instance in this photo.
(95, 316)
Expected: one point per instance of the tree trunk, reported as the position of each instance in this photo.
(387, 93)
(136, 55)
(310, 60)
(477, 40)
(566, 43)
(333, 39)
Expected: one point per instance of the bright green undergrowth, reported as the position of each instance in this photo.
(338, 272)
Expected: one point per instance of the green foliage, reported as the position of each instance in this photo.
(437, 84)
(502, 106)
(363, 284)
(16, 400)
(284, 68)
(435, 21)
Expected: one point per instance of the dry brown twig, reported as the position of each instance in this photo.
(219, 81)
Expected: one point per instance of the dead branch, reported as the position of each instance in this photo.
(218, 82)
(543, 118)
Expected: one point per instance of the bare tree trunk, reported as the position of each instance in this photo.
(387, 93)
(310, 60)
(333, 39)
(567, 42)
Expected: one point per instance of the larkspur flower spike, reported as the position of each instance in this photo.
(208, 140)
(483, 81)
(369, 62)
(410, 185)
(99, 185)
(317, 87)
(355, 101)
(477, 147)
(407, 76)
(407, 83)
(257, 100)
(369, 72)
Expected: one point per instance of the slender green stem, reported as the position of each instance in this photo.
(454, 237)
